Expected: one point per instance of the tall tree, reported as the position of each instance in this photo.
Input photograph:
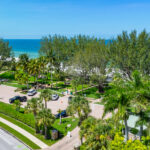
(131, 52)
(34, 68)
(97, 133)
(23, 62)
(5, 53)
(80, 106)
(46, 118)
(118, 97)
(46, 95)
(141, 98)
(33, 106)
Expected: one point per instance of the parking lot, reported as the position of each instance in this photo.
(7, 92)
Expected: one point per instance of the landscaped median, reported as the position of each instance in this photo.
(27, 121)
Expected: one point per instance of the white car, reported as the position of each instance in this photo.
(31, 92)
(55, 97)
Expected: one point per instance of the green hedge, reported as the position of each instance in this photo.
(9, 110)
(7, 75)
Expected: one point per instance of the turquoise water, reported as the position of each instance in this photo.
(28, 46)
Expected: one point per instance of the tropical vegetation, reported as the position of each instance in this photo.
(115, 70)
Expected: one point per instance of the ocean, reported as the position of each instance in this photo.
(28, 46)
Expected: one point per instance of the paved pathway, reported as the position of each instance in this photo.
(62, 103)
(25, 133)
(67, 143)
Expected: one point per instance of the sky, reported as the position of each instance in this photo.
(33, 19)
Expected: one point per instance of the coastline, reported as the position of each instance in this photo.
(30, 54)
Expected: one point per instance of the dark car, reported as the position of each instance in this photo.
(63, 114)
(20, 98)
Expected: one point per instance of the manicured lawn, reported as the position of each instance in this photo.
(61, 87)
(60, 127)
(58, 86)
(19, 136)
(10, 110)
(80, 87)
(13, 84)
(27, 128)
(82, 147)
(65, 121)
(91, 92)
(27, 122)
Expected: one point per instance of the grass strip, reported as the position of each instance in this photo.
(19, 136)
(61, 128)
(27, 128)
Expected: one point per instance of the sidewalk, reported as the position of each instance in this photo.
(25, 133)
(67, 143)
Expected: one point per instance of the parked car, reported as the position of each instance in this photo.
(31, 92)
(63, 114)
(55, 97)
(20, 98)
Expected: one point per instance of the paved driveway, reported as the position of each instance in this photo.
(7, 92)
(8, 142)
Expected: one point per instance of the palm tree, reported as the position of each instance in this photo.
(59, 112)
(119, 97)
(51, 58)
(126, 94)
(48, 49)
(80, 106)
(46, 118)
(75, 83)
(34, 68)
(42, 61)
(23, 62)
(96, 133)
(17, 104)
(22, 77)
(46, 95)
(86, 125)
(33, 106)
(141, 98)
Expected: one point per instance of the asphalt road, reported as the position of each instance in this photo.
(8, 142)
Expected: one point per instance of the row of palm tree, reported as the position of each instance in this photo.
(25, 68)
(43, 116)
